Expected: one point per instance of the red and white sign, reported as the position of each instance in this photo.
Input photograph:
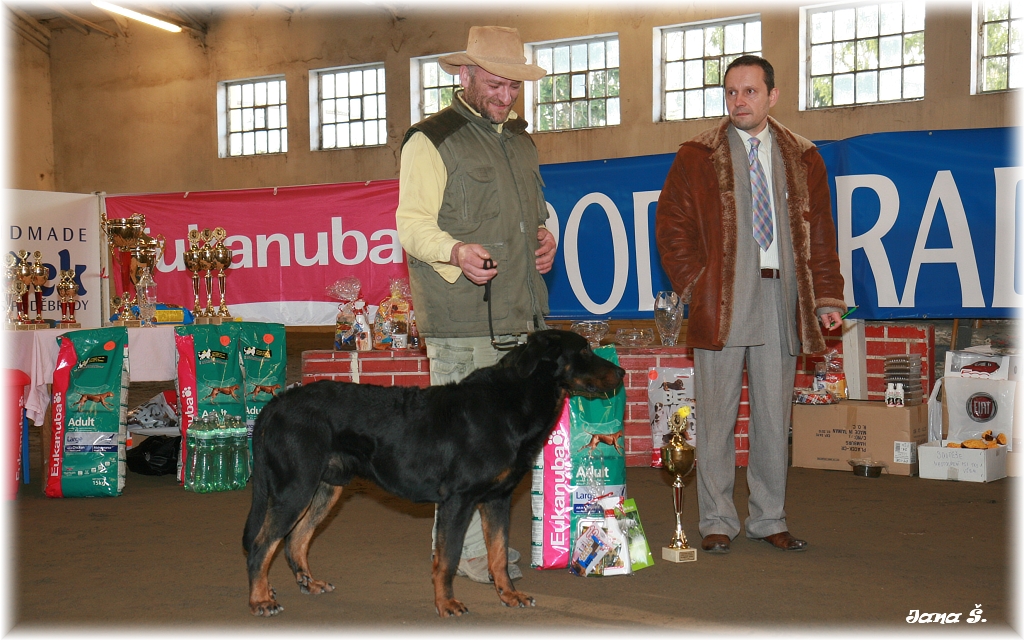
(289, 245)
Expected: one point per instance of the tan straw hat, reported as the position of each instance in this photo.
(498, 50)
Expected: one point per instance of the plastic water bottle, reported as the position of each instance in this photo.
(145, 291)
(240, 457)
(202, 460)
(190, 463)
(218, 459)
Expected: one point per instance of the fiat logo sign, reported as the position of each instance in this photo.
(981, 407)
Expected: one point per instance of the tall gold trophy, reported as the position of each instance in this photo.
(67, 290)
(127, 236)
(208, 253)
(678, 458)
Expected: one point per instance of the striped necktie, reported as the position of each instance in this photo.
(762, 205)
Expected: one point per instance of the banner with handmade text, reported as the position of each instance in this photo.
(926, 224)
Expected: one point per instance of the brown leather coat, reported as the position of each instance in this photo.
(696, 229)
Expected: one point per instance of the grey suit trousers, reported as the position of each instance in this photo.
(719, 380)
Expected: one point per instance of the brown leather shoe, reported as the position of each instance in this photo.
(715, 544)
(785, 541)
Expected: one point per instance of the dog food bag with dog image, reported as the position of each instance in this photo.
(551, 497)
(209, 377)
(597, 447)
(264, 360)
(668, 389)
(90, 410)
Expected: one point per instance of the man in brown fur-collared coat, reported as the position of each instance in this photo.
(744, 228)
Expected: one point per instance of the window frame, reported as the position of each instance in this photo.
(530, 90)
(805, 44)
(660, 96)
(316, 100)
(416, 87)
(223, 127)
(977, 51)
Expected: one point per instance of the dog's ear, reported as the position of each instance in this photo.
(533, 353)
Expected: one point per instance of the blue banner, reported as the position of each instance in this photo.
(927, 226)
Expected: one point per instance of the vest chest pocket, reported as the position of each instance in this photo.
(478, 188)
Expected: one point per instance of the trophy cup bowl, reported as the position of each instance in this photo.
(678, 457)
(593, 331)
(222, 255)
(123, 233)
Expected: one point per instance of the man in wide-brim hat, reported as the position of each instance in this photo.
(471, 211)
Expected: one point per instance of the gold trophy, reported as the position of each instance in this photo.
(123, 237)
(206, 264)
(15, 292)
(678, 458)
(222, 261)
(191, 257)
(39, 274)
(24, 274)
(128, 236)
(67, 290)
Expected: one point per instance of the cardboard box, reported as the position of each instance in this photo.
(826, 437)
(960, 464)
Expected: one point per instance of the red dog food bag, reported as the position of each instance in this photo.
(209, 376)
(90, 411)
(551, 498)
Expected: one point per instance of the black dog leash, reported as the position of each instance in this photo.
(495, 343)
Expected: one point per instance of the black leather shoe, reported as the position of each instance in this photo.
(785, 541)
(715, 544)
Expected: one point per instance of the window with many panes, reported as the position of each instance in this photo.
(436, 87)
(350, 109)
(581, 88)
(863, 54)
(693, 61)
(1000, 59)
(254, 117)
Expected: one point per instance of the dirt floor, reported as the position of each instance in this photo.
(168, 561)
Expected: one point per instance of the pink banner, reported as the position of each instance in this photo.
(289, 245)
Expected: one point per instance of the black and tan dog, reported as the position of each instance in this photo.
(462, 446)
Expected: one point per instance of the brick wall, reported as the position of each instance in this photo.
(410, 367)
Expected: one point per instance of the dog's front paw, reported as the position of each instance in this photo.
(265, 608)
(450, 608)
(514, 599)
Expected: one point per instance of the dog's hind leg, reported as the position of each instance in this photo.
(297, 542)
(453, 517)
(494, 516)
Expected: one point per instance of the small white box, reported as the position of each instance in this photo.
(936, 461)
(981, 364)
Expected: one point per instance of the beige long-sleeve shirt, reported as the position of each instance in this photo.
(421, 184)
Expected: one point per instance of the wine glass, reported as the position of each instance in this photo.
(593, 331)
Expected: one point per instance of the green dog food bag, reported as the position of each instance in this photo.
(597, 447)
(263, 355)
(90, 412)
(209, 378)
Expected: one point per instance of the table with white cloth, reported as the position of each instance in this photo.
(150, 358)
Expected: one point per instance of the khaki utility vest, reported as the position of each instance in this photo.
(493, 197)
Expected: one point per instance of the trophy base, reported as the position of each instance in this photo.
(21, 327)
(679, 555)
(69, 325)
(208, 320)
